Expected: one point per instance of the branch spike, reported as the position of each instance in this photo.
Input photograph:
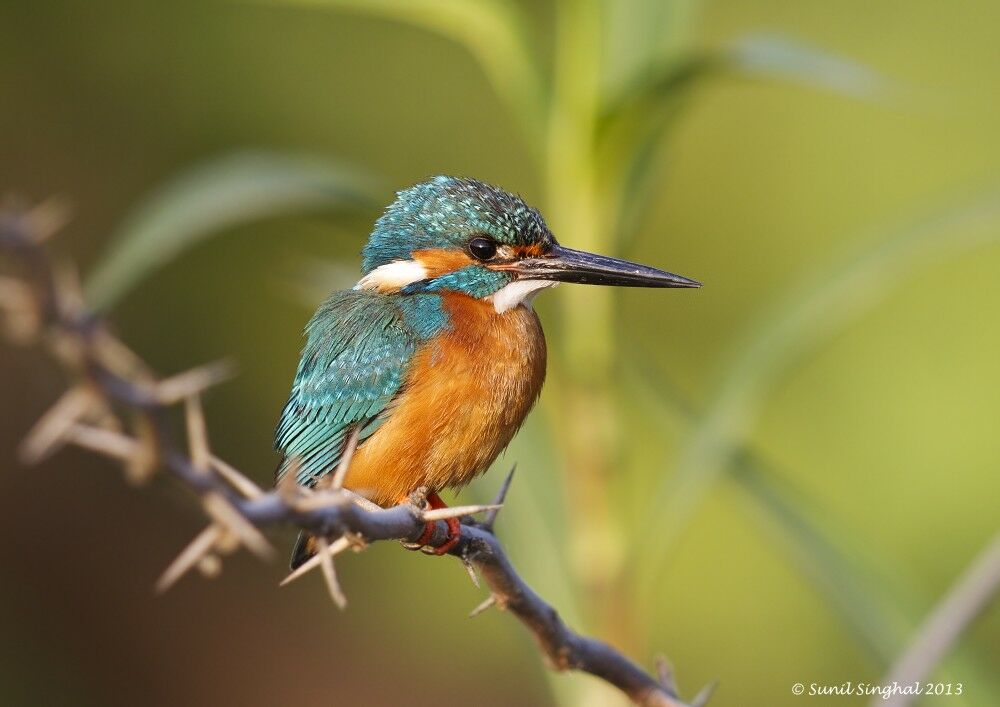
(705, 694)
(485, 604)
(434, 514)
(230, 518)
(234, 478)
(103, 441)
(197, 380)
(49, 433)
(47, 218)
(491, 517)
(116, 356)
(197, 433)
(333, 549)
(288, 487)
(330, 573)
(665, 674)
(189, 557)
(140, 466)
(210, 565)
(350, 446)
(68, 290)
(360, 501)
(471, 570)
(22, 322)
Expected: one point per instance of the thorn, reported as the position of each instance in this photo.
(330, 573)
(333, 549)
(67, 349)
(223, 512)
(227, 543)
(193, 382)
(434, 514)
(68, 291)
(345, 459)
(487, 603)
(47, 218)
(501, 496)
(234, 478)
(210, 566)
(471, 570)
(319, 499)
(103, 441)
(140, 466)
(197, 433)
(702, 698)
(49, 432)
(23, 322)
(288, 486)
(106, 419)
(116, 356)
(359, 500)
(188, 558)
(665, 674)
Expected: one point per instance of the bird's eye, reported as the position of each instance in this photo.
(482, 248)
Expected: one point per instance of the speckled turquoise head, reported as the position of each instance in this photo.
(461, 235)
(446, 213)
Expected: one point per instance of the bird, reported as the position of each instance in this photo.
(433, 360)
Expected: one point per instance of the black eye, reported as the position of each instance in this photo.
(482, 248)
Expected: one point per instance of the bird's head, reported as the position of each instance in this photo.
(461, 235)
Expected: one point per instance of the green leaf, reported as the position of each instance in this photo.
(809, 315)
(642, 33)
(198, 204)
(635, 120)
(774, 57)
(493, 31)
(769, 57)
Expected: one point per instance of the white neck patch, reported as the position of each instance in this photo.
(393, 276)
(519, 292)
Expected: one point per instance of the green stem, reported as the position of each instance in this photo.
(577, 213)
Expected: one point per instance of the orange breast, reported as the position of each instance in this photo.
(465, 397)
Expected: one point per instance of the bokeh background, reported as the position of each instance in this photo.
(770, 480)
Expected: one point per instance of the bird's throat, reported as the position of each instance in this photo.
(517, 293)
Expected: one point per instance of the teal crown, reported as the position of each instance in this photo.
(446, 212)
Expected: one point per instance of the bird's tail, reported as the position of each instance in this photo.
(305, 547)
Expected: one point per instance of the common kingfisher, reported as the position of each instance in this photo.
(436, 355)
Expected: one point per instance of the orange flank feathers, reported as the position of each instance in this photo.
(466, 394)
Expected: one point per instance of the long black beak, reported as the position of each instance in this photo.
(568, 265)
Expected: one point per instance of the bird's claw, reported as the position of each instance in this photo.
(451, 540)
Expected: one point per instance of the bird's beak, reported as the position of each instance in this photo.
(568, 265)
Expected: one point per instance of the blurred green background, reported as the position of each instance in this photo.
(770, 480)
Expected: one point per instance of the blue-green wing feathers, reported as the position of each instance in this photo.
(358, 349)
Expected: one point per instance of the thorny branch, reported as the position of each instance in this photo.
(120, 409)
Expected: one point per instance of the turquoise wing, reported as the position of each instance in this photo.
(357, 353)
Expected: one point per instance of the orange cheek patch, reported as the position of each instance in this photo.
(529, 251)
(439, 262)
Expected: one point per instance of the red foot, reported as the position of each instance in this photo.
(425, 537)
(454, 528)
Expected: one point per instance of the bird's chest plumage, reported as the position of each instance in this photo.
(467, 392)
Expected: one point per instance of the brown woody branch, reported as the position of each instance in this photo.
(119, 409)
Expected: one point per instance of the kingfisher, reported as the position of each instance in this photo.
(434, 359)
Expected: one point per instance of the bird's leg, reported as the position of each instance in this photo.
(454, 526)
(454, 529)
(425, 537)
